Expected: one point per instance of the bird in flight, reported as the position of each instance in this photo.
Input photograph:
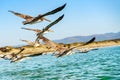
(39, 18)
(27, 17)
(32, 43)
(60, 49)
(37, 30)
(47, 28)
(40, 36)
(69, 50)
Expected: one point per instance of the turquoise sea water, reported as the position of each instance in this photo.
(102, 64)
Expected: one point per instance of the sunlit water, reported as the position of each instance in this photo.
(102, 64)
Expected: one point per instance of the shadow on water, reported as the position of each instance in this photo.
(102, 64)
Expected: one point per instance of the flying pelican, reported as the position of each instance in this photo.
(27, 17)
(69, 50)
(40, 34)
(62, 50)
(17, 56)
(21, 57)
(38, 30)
(47, 28)
(32, 43)
(39, 18)
(12, 55)
(37, 43)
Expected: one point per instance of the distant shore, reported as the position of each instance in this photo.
(29, 50)
(105, 43)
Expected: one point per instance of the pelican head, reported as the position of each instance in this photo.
(27, 22)
(24, 22)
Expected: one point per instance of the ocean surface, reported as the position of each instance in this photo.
(101, 64)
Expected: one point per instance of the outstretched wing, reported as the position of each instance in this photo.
(46, 19)
(21, 15)
(35, 30)
(53, 23)
(48, 13)
(53, 11)
(49, 42)
(26, 41)
(68, 50)
(29, 42)
(90, 41)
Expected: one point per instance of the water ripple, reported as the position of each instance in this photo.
(102, 64)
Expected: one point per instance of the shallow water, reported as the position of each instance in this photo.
(102, 64)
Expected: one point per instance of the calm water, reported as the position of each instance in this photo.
(102, 64)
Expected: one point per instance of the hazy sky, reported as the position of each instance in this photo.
(82, 17)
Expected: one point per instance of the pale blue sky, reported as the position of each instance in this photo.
(82, 17)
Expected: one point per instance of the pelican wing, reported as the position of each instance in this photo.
(68, 50)
(49, 42)
(53, 11)
(26, 41)
(53, 23)
(90, 41)
(33, 55)
(48, 13)
(64, 52)
(46, 19)
(21, 50)
(35, 30)
(21, 15)
(26, 57)
(29, 42)
(17, 59)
